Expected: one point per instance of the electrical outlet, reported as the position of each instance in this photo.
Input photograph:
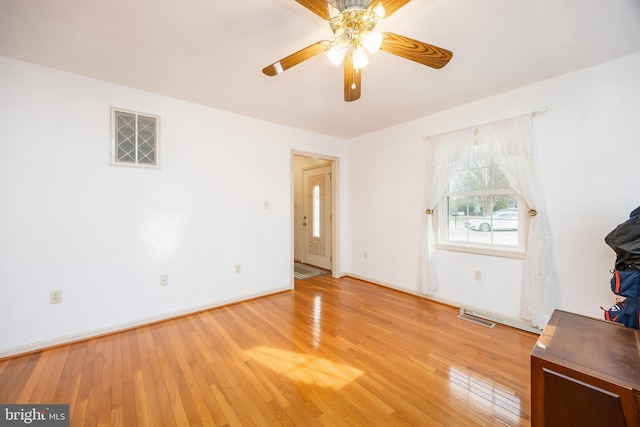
(237, 268)
(55, 297)
(366, 255)
(164, 280)
(477, 275)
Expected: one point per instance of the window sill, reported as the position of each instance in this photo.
(482, 250)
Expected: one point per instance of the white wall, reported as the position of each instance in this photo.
(104, 234)
(588, 151)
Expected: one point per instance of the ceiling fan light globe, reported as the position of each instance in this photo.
(375, 12)
(359, 57)
(371, 40)
(336, 54)
(378, 12)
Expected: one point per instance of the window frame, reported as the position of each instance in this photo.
(113, 140)
(441, 218)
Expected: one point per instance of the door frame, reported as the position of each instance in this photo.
(335, 197)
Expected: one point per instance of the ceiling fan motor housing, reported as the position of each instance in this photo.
(343, 5)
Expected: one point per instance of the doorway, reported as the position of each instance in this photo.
(314, 211)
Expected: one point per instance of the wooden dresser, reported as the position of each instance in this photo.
(585, 372)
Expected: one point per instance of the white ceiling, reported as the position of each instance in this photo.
(212, 52)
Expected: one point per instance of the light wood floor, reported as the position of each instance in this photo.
(332, 352)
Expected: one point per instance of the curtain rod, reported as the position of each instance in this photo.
(533, 113)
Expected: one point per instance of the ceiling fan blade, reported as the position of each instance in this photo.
(296, 58)
(319, 7)
(391, 6)
(352, 80)
(414, 50)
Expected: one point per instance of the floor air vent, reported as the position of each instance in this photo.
(464, 315)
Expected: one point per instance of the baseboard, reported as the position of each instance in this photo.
(121, 327)
(385, 284)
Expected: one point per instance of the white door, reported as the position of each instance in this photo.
(317, 216)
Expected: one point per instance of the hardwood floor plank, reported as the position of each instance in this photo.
(128, 410)
(179, 377)
(86, 372)
(199, 409)
(173, 397)
(3, 365)
(95, 398)
(331, 352)
(104, 388)
(117, 417)
(147, 386)
(143, 417)
(229, 412)
(38, 373)
(65, 377)
(155, 372)
(78, 413)
(117, 376)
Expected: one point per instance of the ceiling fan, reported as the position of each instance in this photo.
(353, 23)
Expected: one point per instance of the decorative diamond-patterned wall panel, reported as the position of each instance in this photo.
(146, 140)
(125, 137)
(136, 139)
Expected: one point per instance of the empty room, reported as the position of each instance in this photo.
(312, 212)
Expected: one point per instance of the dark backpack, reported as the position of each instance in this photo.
(625, 283)
(625, 241)
(625, 312)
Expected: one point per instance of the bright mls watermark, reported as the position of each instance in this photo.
(34, 415)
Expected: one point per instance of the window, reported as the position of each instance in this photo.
(134, 138)
(480, 212)
(316, 211)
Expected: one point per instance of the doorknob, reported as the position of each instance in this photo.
(304, 223)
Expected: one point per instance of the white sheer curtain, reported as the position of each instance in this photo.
(511, 141)
(513, 151)
(443, 155)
